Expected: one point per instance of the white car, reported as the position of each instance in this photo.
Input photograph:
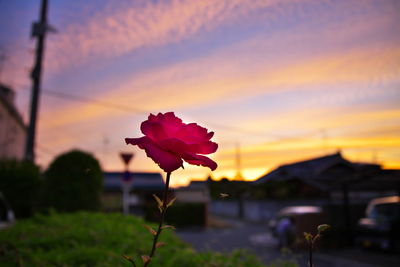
(380, 227)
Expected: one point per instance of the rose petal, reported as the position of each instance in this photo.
(153, 129)
(168, 140)
(200, 161)
(179, 147)
(204, 148)
(166, 160)
(168, 123)
(174, 145)
(171, 124)
(193, 133)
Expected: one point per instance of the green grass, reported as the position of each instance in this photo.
(96, 239)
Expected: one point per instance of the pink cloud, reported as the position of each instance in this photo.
(111, 32)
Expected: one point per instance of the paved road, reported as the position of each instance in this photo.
(256, 238)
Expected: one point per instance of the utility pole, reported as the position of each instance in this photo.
(39, 30)
(106, 141)
(238, 158)
(324, 141)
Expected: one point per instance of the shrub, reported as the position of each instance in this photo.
(73, 182)
(20, 184)
(179, 214)
(186, 214)
(94, 239)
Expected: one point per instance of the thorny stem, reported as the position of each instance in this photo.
(311, 247)
(163, 211)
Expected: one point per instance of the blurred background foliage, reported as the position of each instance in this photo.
(20, 183)
(73, 182)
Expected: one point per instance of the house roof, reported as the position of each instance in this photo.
(304, 169)
(198, 184)
(324, 172)
(143, 181)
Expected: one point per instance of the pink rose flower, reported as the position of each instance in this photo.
(169, 141)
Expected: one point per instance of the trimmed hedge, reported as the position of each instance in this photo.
(73, 182)
(179, 214)
(20, 184)
(95, 239)
(186, 214)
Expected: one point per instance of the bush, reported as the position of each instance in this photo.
(179, 214)
(73, 182)
(20, 184)
(94, 239)
(186, 214)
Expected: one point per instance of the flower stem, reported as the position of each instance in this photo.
(163, 211)
(310, 248)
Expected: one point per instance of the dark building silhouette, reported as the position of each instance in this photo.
(343, 187)
(142, 188)
(12, 127)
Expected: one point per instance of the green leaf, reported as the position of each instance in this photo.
(159, 202)
(168, 227)
(308, 236)
(323, 227)
(160, 244)
(128, 258)
(151, 230)
(145, 258)
(171, 202)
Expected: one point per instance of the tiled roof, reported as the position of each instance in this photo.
(304, 169)
(324, 172)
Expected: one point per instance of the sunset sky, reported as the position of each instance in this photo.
(284, 80)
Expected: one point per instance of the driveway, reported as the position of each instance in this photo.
(255, 237)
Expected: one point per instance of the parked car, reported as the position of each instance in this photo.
(303, 218)
(381, 226)
(6, 213)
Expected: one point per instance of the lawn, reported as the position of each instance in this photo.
(98, 239)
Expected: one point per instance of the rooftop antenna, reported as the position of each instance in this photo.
(324, 140)
(106, 142)
(239, 176)
(374, 156)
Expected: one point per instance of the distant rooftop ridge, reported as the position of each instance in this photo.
(311, 168)
(140, 180)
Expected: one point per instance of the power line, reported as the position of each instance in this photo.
(46, 150)
(278, 139)
(125, 108)
(94, 101)
(281, 139)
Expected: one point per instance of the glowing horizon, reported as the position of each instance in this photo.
(286, 79)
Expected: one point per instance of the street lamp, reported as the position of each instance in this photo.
(126, 181)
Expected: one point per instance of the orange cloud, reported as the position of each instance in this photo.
(204, 82)
(152, 88)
